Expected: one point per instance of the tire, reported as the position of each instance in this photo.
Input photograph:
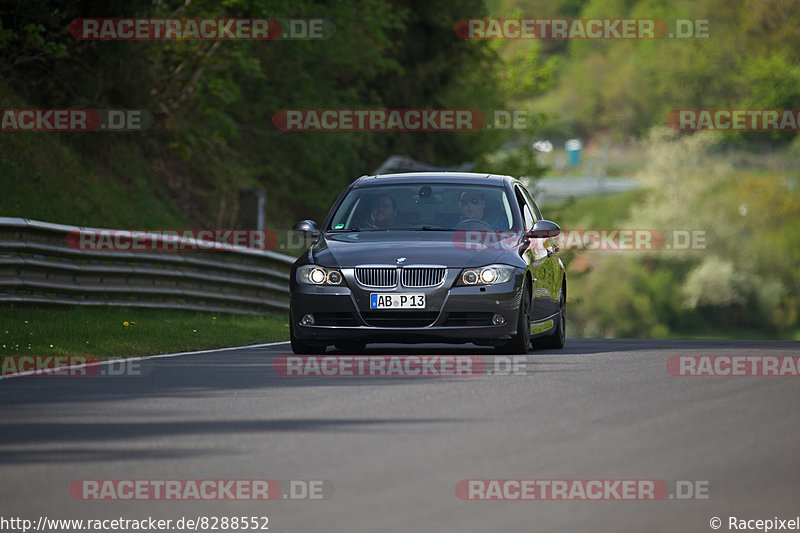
(520, 343)
(558, 338)
(303, 348)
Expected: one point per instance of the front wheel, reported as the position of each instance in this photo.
(558, 338)
(520, 343)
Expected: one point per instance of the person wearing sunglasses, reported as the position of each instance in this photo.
(473, 207)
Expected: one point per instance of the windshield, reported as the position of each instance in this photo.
(423, 206)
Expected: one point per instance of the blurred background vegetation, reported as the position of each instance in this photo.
(213, 104)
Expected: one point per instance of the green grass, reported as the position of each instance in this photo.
(103, 333)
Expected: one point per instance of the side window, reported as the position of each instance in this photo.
(532, 204)
(527, 213)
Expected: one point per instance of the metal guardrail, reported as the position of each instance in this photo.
(37, 266)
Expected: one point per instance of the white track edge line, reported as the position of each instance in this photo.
(137, 358)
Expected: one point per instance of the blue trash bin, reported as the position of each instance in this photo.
(573, 147)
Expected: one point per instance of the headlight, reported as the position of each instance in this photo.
(488, 275)
(315, 275)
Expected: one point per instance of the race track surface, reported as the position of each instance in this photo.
(392, 449)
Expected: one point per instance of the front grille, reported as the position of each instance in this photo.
(377, 276)
(422, 276)
(399, 319)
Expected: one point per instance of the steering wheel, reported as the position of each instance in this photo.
(473, 223)
(362, 223)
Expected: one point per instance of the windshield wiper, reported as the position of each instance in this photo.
(421, 228)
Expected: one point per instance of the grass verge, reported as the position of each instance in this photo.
(111, 332)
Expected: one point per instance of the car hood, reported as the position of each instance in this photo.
(418, 247)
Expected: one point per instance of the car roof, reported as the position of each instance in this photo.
(473, 178)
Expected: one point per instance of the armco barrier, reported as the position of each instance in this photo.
(38, 267)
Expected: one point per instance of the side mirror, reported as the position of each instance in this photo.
(544, 229)
(306, 228)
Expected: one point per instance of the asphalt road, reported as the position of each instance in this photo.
(393, 449)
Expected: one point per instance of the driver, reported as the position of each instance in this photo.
(384, 212)
(473, 205)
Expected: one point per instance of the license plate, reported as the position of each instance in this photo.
(396, 301)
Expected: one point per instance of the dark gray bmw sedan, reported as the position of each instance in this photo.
(429, 257)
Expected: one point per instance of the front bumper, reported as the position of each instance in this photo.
(452, 313)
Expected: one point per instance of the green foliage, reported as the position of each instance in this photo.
(26, 44)
(519, 161)
(620, 298)
(213, 101)
(773, 83)
(749, 61)
(743, 274)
